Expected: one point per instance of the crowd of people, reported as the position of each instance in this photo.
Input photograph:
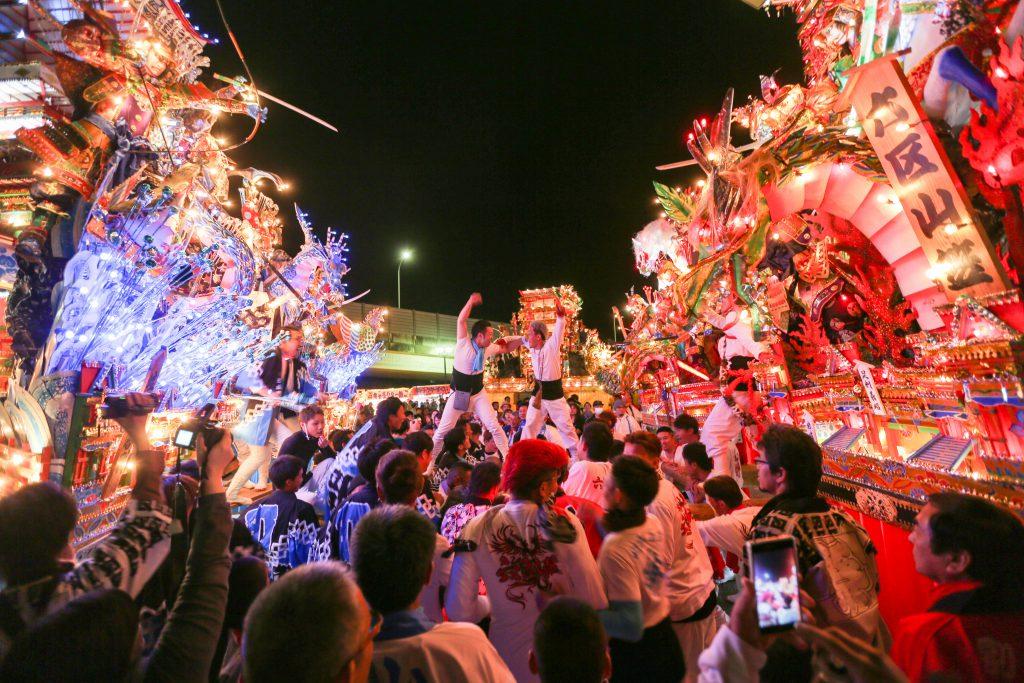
(490, 545)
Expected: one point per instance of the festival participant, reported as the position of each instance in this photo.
(722, 429)
(471, 348)
(284, 525)
(420, 444)
(393, 551)
(634, 561)
(247, 579)
(627, 418)
(697, 468)
(686, 430)
(36, 521)
(387, 420)
(729, 529)
(312, 625)
(591, 469)
(476, 452)
(693, 599)
(836, 556)
(484, 481)
(548, 397)
(282, 374)
(456, 445)
(974, 628)
(524, 550)
(309, 441)
(399, 482)
(669, 446)
(569, 644)
(343, 519)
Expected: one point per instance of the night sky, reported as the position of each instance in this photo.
(510, 145)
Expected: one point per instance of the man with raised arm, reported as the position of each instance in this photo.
(548, 398)
(471, 349)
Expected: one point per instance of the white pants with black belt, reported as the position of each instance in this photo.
(259, 456)
(558, 410)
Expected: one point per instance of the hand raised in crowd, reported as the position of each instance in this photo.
(863, 662)
(475, 299)
(743, 620)
(559, 308)
(213, 462)
(133, 421)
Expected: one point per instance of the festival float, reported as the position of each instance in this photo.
(869, 237)
(135, 255)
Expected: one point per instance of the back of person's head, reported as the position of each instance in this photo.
(789, 448)
(484, 478)
(686, 422)
(617, 447)
(598, 440)
(454, 439)
(992, 536)
(248, 577)
(645, 441)
(306, 626)
(569, 643)
(370, 455)
(476, 428)
(35, 524)
(479, 327)
(696, 453)
(309, 412)
(725, 489)
(529, 464)
(284, 469)
(392, 552)
(398, 477)
(663, 430)
(636, 479)
(417, 442)
(91, 638)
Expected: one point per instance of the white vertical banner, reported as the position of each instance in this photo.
(870, 390)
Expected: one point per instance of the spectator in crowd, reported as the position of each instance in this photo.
(484, 481)
(634, 562)
(249, 576)
(93, 636)
(312, 625)
(608, 417)
(284, 525)
(429, 502)
(309, 441)
(686, 429)
(845, 586)
(547, 550)
(729, 529)
(393, 553)
(697, 468)
(339, 438)
(364, 415)
(456, 446)
(627, 417)
(591, 469)
(453, 486)
(36, 524)
(974, 551)
(693, 600)
(343, 519)
(387, 420)
(475, 452)
(576, 415)
(496, 406)
(510, 423)
(399, 482)
(669, 446)
(569, 644)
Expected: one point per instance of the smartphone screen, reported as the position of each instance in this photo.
(773, 569)
(183, 439)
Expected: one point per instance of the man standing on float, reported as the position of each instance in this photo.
(548, 397)
(468, 395)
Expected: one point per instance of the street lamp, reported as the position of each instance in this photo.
(403, 256)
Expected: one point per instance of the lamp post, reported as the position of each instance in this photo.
(403, 256)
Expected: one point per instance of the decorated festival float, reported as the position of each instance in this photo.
(869, 239)
(135, 255)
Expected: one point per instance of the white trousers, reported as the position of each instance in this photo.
(259, 456)
(695, 637)
(558, 411)
(479, 405)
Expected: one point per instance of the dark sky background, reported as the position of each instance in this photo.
(510, 145)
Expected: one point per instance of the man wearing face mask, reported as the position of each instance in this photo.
(549, 398)
(526, 552)
(472, 347)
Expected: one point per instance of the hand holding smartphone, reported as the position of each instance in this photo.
(775, 574)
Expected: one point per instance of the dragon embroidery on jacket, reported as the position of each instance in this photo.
(523, 564)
